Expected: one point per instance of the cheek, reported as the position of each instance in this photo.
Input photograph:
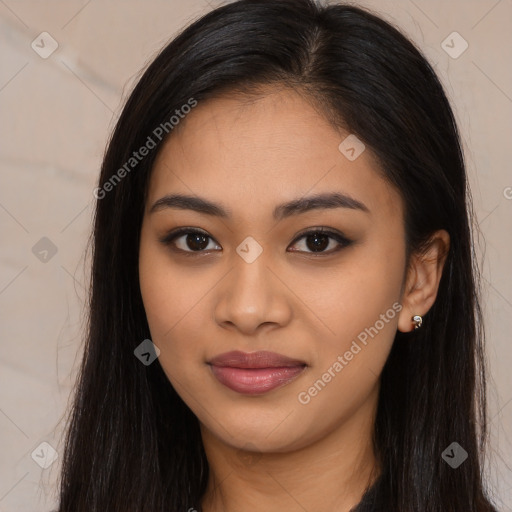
(168, 311)
(362, 315)
(353, 295)
(359, 303)
(175, 306)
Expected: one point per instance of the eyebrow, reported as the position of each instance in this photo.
(284, 210)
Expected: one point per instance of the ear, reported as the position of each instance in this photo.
(422, 281)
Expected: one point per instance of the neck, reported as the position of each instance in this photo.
(331, 473)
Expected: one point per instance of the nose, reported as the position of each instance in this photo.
(252, 295)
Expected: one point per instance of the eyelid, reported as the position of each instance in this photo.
(320, 229)
(336, 235)
(168, 239)
(342, 240)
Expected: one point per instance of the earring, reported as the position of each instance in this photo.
(418, 320)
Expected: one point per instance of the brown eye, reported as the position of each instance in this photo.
(188, 240)
(191, 240)
(196, 241)
(318, 240)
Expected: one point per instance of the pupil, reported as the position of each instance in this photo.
(321, 242)
(196, 241)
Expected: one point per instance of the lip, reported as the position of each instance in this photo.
(261, 359)
(255, 372)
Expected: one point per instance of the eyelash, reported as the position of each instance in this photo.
(168, 240)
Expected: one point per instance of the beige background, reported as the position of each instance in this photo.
(56, 114)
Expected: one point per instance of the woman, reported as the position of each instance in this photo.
(283, 312)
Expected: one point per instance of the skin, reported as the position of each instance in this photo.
(270, 452)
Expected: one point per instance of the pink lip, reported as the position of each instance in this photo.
(255, 372)
(262, 359)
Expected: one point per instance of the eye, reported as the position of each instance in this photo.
(192, 240)
(318, 239)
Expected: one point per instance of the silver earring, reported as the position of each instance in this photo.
(418, 320)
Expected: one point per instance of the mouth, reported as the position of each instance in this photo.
(255, 372)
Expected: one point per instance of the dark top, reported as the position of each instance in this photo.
(369, 502)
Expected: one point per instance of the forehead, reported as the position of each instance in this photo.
(253, 154)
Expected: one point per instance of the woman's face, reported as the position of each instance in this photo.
(252, 282)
